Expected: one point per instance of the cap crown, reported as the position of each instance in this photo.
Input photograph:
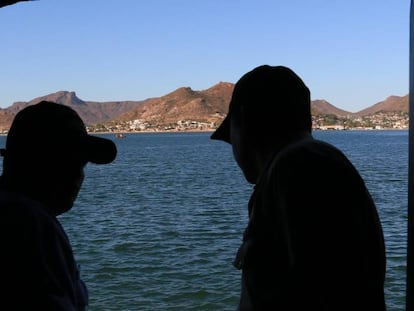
(273, 94)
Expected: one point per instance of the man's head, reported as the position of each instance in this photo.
(46, 150)
(270, 105)
(272, 100)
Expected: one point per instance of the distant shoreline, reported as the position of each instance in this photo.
(211, 131)
(154, 132)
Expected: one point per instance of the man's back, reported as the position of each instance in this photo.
(314, 240)
(39, 268)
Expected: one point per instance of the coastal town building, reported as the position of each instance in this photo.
(377, 121)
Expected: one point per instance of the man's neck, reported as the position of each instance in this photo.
(269, 152)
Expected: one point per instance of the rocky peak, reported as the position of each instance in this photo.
(64, 97)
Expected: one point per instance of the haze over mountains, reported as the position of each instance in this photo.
(210, 105)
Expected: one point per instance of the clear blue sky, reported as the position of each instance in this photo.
(351, 53)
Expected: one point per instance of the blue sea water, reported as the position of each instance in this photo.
(158, 228)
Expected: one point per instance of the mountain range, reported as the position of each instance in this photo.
(210, 105)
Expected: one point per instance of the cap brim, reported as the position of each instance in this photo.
(100, 150)
(223, 131)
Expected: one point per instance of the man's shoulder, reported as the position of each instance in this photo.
(309, 152)
(307, 146)
(309, 161)
(17, 208)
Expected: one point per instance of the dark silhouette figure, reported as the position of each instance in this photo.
(10, 2)
(46, 151)
(314, 240)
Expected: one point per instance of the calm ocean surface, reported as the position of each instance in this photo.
(158, 228)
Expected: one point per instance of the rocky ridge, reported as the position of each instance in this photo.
(186, 108)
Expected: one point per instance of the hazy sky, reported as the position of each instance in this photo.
(352, 53)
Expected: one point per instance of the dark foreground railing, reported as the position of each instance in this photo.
(410, 234)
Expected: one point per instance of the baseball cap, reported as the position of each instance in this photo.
(272, 94)
(51, 128)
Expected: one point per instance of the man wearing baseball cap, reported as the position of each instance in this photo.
(46, 151)
(314, 239)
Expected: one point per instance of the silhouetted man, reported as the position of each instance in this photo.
(46, 151)
(314, 240)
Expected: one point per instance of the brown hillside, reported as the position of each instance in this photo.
(322, 107)
(218, 97)
(209, 105)
(90, 112)
(6, 118)
(391, 104)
